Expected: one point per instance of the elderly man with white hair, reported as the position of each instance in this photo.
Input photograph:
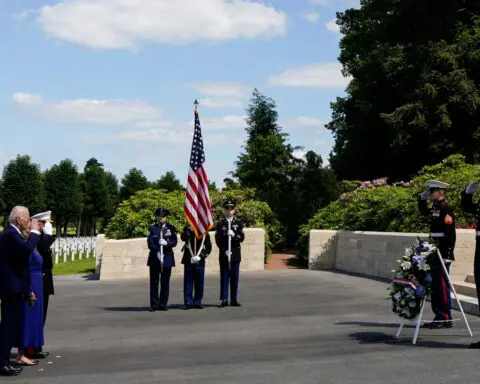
(15, 284)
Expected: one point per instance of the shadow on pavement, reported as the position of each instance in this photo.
(380, 337)
(378, 325)
(145, 309)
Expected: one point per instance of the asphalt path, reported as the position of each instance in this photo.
(295, 326)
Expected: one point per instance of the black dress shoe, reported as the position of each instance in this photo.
(198, 306)
(224, 303)
(9, 370)
(151, 309)
(187, 307)
(40, 355)
(235, 304)
(475, 345)
(162, 308)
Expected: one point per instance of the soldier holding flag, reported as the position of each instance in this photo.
(195, 253)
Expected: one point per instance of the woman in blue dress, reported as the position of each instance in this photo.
(32, 335)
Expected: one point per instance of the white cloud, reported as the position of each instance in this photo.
(216, 89)
(302, 122)
(299, 154)
(219, 103)
(322, 144)
(317, 75)
(115, 24)
(224, 123)
(87, 110)
(217, 95)
(340, 4)
(319, 2)
(313, 17)
(332, 26)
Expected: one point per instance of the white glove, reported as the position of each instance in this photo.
(196, 259)
(231, 233)
(48, 229)
(227, 253)
(162, 242)
(472, 188)
(425, 195)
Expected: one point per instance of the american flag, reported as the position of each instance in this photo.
(198, 210)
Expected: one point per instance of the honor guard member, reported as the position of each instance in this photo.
(195, 251)
(162, 238)
(469, 206)
(442, 230)
(229, 228)
(44, 248)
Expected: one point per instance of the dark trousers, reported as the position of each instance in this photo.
(156, 277)
(10, 327)
(229, 276)
(476, 267)
(193, 277)
(441, 300)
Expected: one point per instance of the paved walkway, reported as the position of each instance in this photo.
(283, 260)
(296, 326)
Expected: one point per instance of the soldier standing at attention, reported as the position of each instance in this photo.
(229, 230)
(469, 206)
(442, 230)
(162, 238)
(194, 255)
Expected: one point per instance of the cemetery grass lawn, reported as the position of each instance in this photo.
(75, 267)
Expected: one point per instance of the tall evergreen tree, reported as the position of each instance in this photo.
(62, 192)
(22, 184)
(133, 182)
(414, 98)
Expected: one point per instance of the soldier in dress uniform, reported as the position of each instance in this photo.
(195, 251)
(442, 230)
(469, 206)
(44, 249)
(161, 236)
(229, 228)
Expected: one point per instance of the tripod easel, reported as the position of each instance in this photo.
(418, 319)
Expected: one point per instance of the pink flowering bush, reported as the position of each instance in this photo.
(378, 206)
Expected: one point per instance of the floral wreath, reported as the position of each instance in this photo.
(412, 280)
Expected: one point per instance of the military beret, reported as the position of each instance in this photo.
(230, 203)
(162, 212)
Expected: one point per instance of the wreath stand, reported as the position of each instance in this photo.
(418, 319)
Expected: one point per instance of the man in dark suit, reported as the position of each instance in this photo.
(15, 282)
(44, 248)
(162, 238)
(229, 229)
(195, 251)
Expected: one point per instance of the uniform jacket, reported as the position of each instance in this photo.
(44, 249)
(188, 236)
(14, 262)
(469, 206)
(170, 235)
(442, 220)
(221, 239)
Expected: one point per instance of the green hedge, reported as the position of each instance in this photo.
(378, 206)
(135, 215)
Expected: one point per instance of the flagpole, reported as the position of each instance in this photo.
(195, 103)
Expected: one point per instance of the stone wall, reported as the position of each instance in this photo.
(127, 259)
(375, 253)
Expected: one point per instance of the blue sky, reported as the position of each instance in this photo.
(116, 79)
